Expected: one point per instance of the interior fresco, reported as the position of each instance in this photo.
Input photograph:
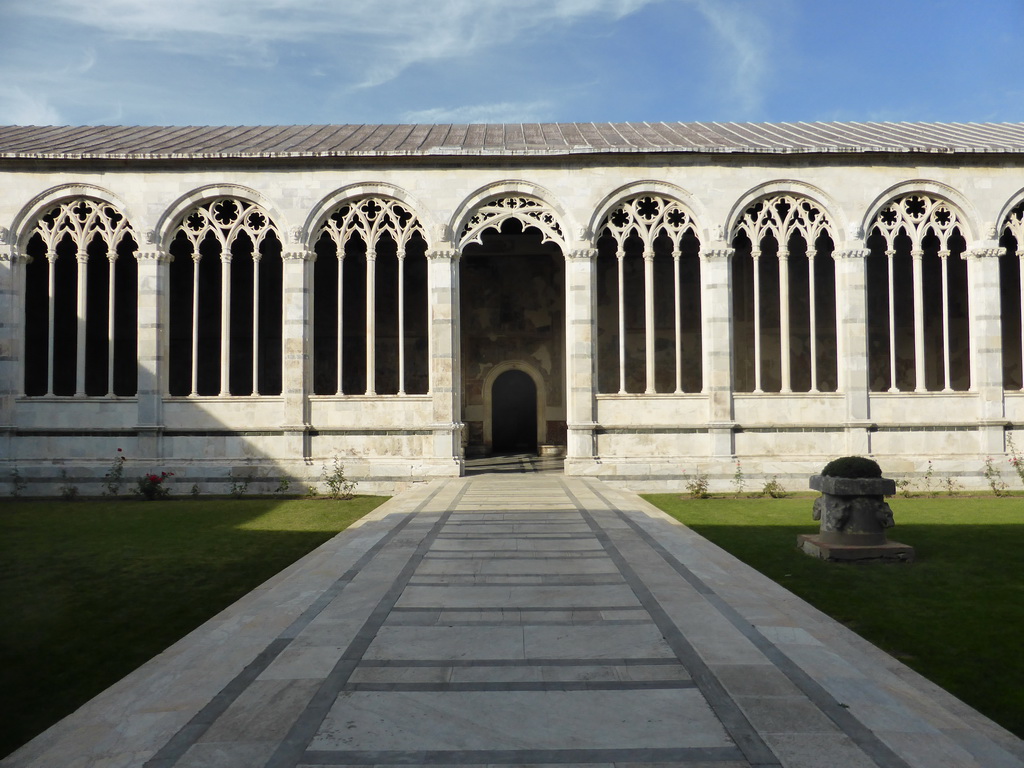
(513, 313)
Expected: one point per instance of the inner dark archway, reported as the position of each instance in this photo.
(514, 413)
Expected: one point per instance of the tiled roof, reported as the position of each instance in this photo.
(542, 139)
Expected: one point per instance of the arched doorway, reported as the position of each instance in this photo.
(514, 413)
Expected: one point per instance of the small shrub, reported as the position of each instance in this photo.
(194, 490)
(903, 486)
(993, 478)
(697, 486)
(18, 483)
(928, 479)
(737, 479)
(151, 486)
(952, 486)
(115, 475)
(338, 486)
(283, 484)
(1015, 461)
(852, 467)
(68, 492)
(240, 487)
(772, 487)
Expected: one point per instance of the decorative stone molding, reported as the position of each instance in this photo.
(226, 218)
(5, 236)
(298, 255)
(851, 253)
(582, 254)
(983, 253)
(717, 254)
(528, 210)
(784, 216)
(160, 257)
(917, 215)
(648, 217)
(371, 219)
(443, 255)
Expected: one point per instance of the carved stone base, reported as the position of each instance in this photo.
(890, 551)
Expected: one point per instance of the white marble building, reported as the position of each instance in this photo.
(653, 299)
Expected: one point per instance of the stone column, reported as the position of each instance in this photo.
(82, 266)
(12, 365)
(716, 330)
(581, 356)
(371, 319)
(445, 367)
(296, 356)
(986, 346)
(784, 334)
(917, 255)
(852, 343)
(649, 321)
(154, 313)
(225, 321)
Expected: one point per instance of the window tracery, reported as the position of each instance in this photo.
(529, 211)
(223, 341)
(1011, 282)
(82, 301)
(917, 297)
(784, 312)
(650, 296)
(376, 281)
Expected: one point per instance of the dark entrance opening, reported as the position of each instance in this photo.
(514, 413)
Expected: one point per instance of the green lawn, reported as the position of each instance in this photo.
(92, 589)
(956, 615)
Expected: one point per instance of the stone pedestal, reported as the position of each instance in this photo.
(854, 517)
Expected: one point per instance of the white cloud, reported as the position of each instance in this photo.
(378, 41)
(504, 112)
(18, 107)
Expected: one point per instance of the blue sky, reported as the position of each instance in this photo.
(258, 62)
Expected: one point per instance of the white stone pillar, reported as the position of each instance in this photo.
(717, 334)
(225, 322)
(51, 292)
(111, 290)
(944, 257)
(649, 320)
(341, 317)
(12, 356)
(445, 372)
(986, 346)
(620, 256)
(813, 316)
(401, 319)
(581, 357)
(890, 257)
(153, 323)
(255, 323)
(678, 320)
(917, 255)
(296, 343)
(196, 256)
(784, 340)
(756, 256)
(371, 320)
(82, 265)
(851, 289)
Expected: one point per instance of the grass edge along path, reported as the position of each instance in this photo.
(956, 615)
(91, 590)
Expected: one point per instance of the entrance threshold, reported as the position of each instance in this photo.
(515, 463)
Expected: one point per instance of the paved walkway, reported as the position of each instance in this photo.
(522, 620)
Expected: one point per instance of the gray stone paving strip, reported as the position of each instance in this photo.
(862, 736)
(729, 713)
(518, 757)
(291, 749)
(499, 686)
(182, 741)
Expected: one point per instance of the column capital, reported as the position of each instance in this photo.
(159, 257)
(717, 254)
(444, 255)
(983, 253)
(582, 254)
(301, 255)
(851, 253)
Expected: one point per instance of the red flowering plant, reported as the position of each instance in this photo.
(151, 485)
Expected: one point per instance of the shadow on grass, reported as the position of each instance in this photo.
(955, 615)
(91, 590)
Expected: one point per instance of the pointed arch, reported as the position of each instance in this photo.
(784, 307)
(1011, 291)
(370, 296)
(918, 302)
(490, 207)
(648, 272)
(226, 293)
(81, 300)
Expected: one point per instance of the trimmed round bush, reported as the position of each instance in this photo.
(853, 467)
